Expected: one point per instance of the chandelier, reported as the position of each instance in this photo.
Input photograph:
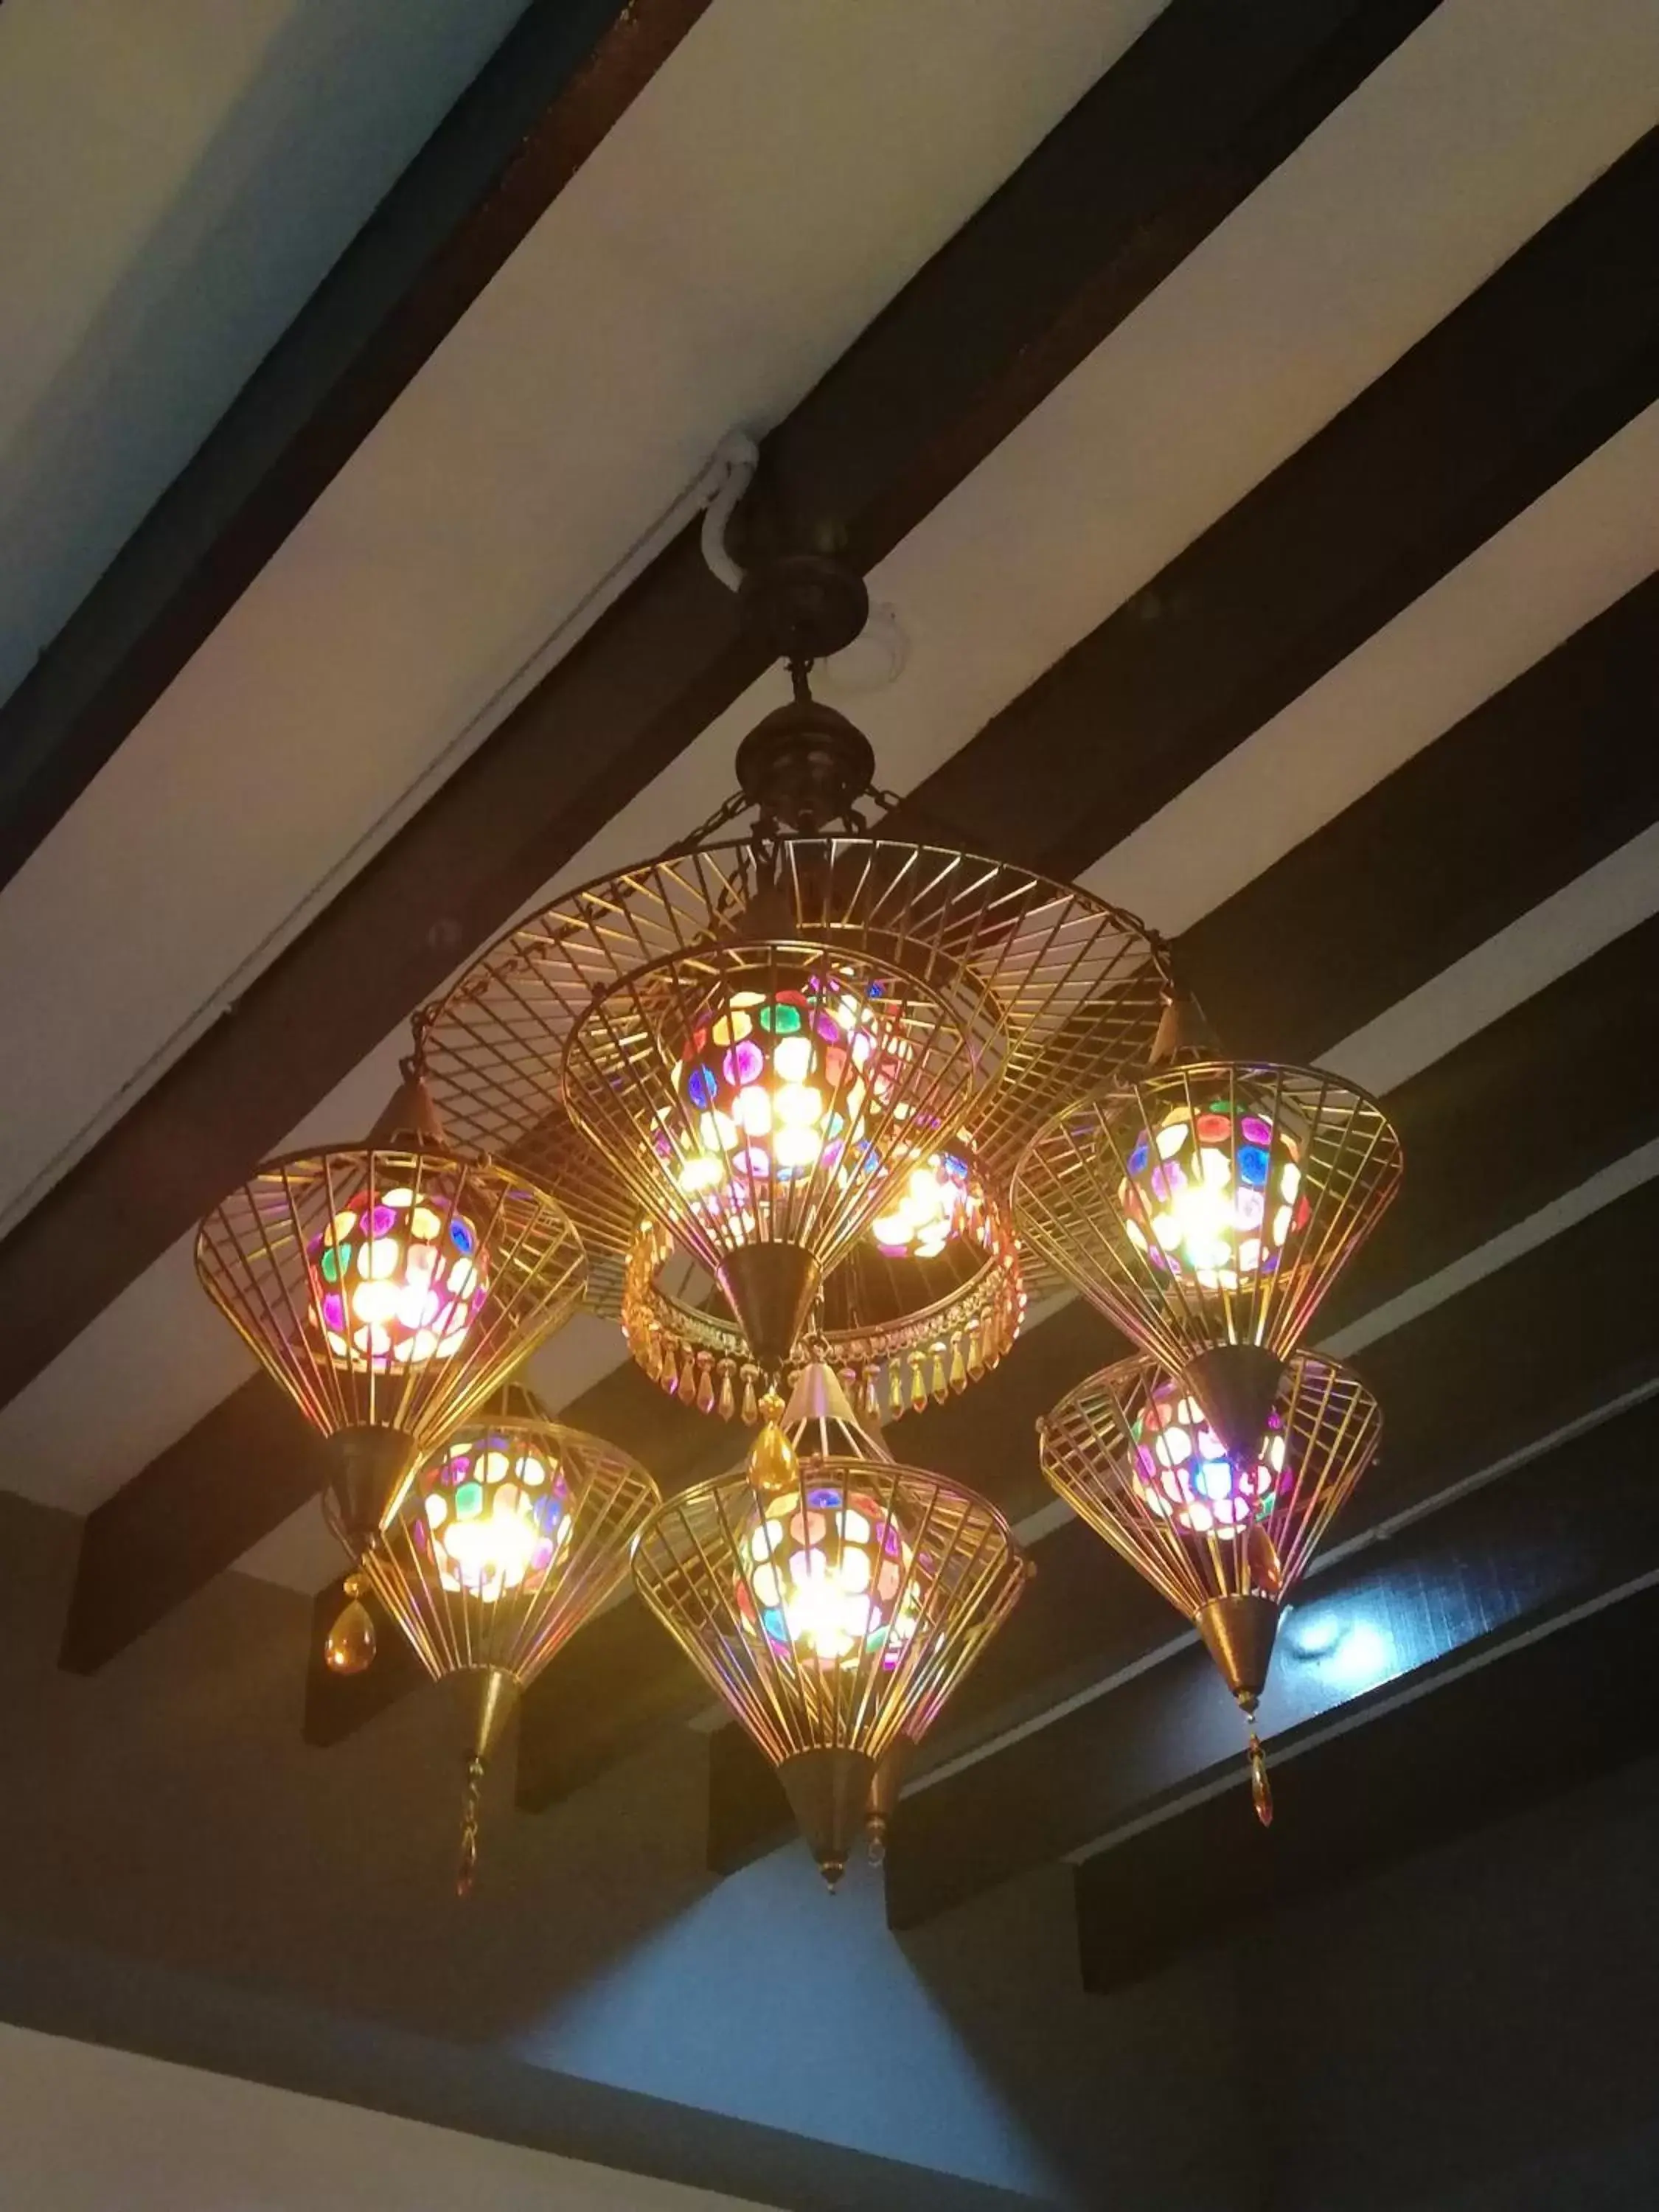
(834, 1600)
(388, 1286)
(1224, 1536)
(512, 1533)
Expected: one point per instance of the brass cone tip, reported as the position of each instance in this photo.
(821, 1420)
(1238, 1634)
(829, 1793)
(369, 1468)
(410, 1116)
(1182, 1032)
(1237, 1385)
(351, 1641)
(770, 1288)
(497, 1693)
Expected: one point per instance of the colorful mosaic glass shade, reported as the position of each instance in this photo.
(395, 1281)
(764, 1095)
(835, 1611)
(930, 1206)
(1183, 1473)
(386, 1288)
(1209, 1203)
(825, 1578)
(1130, 1451)
(513, 1532)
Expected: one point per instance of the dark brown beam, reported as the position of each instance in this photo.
(1554, 353)
(1204, 106)
(1542, 1716)
(1515, 1358)
(563, 76)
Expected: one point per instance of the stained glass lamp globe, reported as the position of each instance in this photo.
(387, 1287)
(1225, 1538)
(832, 1598)
(511, 1534)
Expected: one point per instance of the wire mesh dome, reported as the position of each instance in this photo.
(834, 1609)
(1067, 976)
(1223, 1535)
(1209, 1206)
(513, 1532)
(927, 1301)
(388, 1289)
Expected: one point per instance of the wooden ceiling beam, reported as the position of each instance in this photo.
(563, 76)
(1552, 355)
(1553, 1701)
(1167, 142)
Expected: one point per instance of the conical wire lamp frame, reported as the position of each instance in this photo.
(506, 1269)
(511, 1534)
(1209, 1204)
(1223, 1539)
(827, 1670)
(758, 1098)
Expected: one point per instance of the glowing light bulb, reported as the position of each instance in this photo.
(827, 1578)
(495, 1515)
(931, 1207)
(1214, 1194)
(774, 1083)
(398, 1278)
(1182, 1471)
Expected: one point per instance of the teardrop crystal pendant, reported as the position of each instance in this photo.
(351, 1642)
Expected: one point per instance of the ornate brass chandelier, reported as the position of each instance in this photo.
(388, 1286)
(797, 1090)
(1134, 1452)
(510, 1535)
(832, 1599)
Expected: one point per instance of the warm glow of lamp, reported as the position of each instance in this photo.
(496, 1513)
(1183, 1475)
(825, 1576)
(1214, 1192)
(776, 1083)
(929, 1208)
(397, 1277)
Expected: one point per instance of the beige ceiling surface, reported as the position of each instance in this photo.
(176, 176)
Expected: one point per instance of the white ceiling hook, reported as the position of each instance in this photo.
(731, 471)
(874, 660)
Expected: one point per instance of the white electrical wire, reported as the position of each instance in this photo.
(716, 488)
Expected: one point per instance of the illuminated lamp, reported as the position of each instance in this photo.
(513, 1532)
(1224, 1536)
(387, 1287)
(832, 1598)
(901, 1327)
(1206, 1207)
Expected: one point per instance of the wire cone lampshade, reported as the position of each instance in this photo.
(1224, 1536)
(833, 1608)
(1022, 967)
(758, 1098)
(1206, 1207)
(513, 1532)
(388, 1288)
